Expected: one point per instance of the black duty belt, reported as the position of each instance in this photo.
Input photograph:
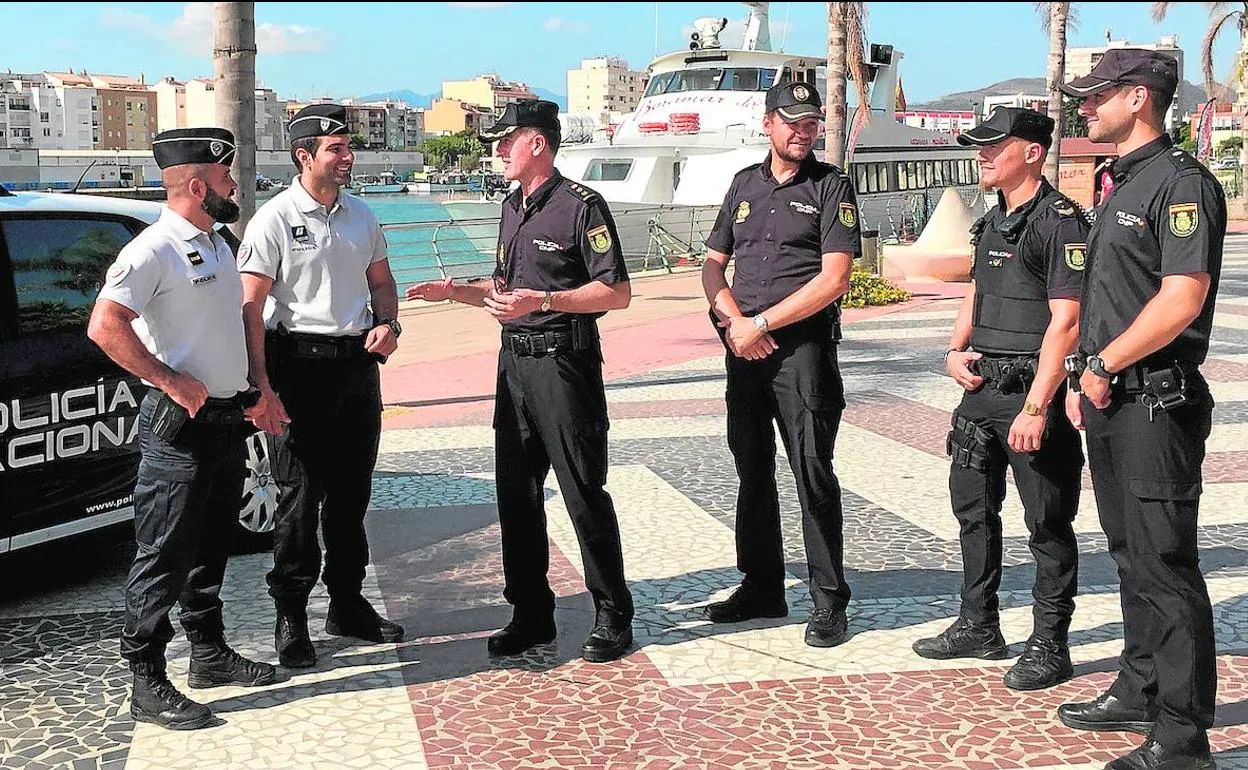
(1144, 377)
(226, 411)
(542, 343)
(304, 345)
(999, 368)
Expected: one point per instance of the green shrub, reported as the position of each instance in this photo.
(866, 290)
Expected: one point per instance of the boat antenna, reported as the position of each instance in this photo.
(784, 33)
(656, 29)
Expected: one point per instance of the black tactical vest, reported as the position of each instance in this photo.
(1011, 302)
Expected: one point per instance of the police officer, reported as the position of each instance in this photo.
(1154, 257)
(1012, 335)
(170, 312)
(320, 255)
(559, 268)
(791, 224)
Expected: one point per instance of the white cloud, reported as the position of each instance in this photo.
(557, 24)
(192, 31)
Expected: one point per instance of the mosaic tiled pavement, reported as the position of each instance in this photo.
(691, 695)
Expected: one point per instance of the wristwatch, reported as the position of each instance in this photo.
(546, 301)
(392, 323)
(760, 323)
(1097, 366)
(1032, 409)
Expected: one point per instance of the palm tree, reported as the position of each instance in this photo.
(1219, 15)
(234, 69)
(846, 54)
(1054, 19)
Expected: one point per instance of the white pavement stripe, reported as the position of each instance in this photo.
(917, 315)
(1229, 321)
(855, 334)
(678, 557)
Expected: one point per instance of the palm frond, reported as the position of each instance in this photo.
(1206, 49)
(855, 54)
(1043, 10)
(1158, 11)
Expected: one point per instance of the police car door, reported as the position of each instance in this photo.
(68, 415)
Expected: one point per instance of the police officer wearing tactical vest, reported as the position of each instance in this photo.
(1154, 258)
(1012, 335)
(170, 312)
(559, 268)
(320, 255)
(791, 225)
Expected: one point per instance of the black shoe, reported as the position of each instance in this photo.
(1044, 663)
(827, 628)
(1151, 755)
(214, 664)
(156, 700)
(290, 639)
(1105, 713)
(357, 618)
(519, 635)
(745, 604)
(607, 642)
(964, 640)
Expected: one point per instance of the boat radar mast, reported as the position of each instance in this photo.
(757, 30)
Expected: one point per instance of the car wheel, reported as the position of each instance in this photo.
(258, 506)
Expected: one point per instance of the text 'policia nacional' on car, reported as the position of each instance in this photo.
(69, 449)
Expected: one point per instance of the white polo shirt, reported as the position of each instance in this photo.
(185, 287)
(317, 259)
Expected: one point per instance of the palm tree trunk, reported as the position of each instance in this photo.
(834, 138)
(1240, 207)
(1055, 75)
(234, 70)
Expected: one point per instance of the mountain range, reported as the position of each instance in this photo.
(414, 99)
(1189, 95)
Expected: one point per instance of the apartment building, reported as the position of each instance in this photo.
(605, 88)
(47, 111)
(488, 91)
(1039, 103)
(402, 126)
(450, 116)
(127, 108)
(170, 104)
(947, 121)
(194, 103)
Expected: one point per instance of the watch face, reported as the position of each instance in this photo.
(396, 328)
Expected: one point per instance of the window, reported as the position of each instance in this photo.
(608, 170)
(43, 117)
(58, 268)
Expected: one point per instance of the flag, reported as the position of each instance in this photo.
(1204, 133)
(901, 96)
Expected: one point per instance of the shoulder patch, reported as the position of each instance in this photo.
(1076, 255)
(600, 239)
(1184, 219)
(847, 213)
(117, 273)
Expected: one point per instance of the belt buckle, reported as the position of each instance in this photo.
(537, 344)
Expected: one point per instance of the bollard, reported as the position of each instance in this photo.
(870, 258)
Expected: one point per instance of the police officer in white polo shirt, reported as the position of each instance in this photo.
(319, 253)
(170, 312)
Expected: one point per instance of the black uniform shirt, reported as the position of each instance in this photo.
(1166, 216)
(778, 233)
(1052, 245)
(562, 237)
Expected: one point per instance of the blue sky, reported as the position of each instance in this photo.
(339, 49)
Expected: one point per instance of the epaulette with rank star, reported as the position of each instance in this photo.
(585, 193)
(1069, 208)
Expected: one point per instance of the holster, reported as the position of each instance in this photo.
(168, 418)
(967, 444)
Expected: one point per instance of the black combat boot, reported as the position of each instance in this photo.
(214, 664)
(290, 639)
(156, 700)
(1044, 663)
(964, 639)
(356, 617)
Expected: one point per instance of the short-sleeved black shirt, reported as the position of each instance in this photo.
(778, 233)
(1166, 216)
(1052, 247)
(562, 237)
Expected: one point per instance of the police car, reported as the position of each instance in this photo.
(68, 415)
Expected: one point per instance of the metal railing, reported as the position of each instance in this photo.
(654, 238)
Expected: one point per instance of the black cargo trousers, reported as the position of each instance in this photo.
(799, 388)
(186, 504)
(1048, 482)
(550, 411)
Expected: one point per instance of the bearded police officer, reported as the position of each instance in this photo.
(319, 254)
(170, 312)
(791, 224)
(1154, 257)
(559, 268)
(1012, 335)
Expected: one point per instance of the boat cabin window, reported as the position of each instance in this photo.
(871, 177)
(919, 175)
(712, 79)
(608, 170)
(747, 79)
(659, 83)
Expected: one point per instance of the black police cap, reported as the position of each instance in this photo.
(1127, 66)
(794, 101)
(530, 113)
(1005, 122)
(319, 120)
(180, 146)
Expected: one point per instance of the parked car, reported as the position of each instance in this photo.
(1225, 164)
(69, 415)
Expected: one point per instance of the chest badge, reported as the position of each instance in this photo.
(848, 215)
(299, 232)
(743, 211)
(1076, 255)
(600, 239)
(194, 258)
(502, 257)
(1184, 219)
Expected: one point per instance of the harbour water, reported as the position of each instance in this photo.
(426, 244)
